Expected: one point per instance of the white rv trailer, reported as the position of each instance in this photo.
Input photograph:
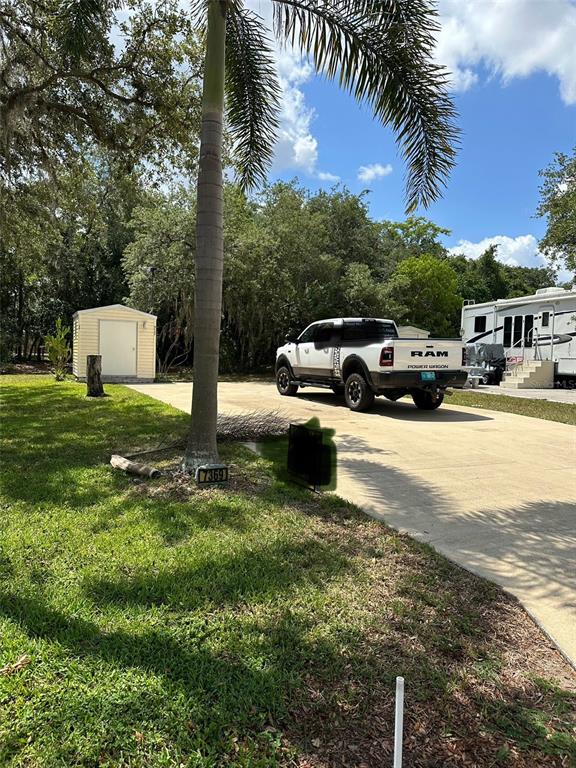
(537, 327)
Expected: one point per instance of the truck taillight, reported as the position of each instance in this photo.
(387, 357)
(464, 357)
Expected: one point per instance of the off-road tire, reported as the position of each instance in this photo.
(283, 382)
(357, 393)
(427, 401)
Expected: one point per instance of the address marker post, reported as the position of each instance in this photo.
(212, 474)
(399, 722)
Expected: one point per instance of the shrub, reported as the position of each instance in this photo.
(58, 350)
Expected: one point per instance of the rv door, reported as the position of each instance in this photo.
(544, 332)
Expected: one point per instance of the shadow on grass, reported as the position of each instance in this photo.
(51, 430)
(252, 576)
(240, 652)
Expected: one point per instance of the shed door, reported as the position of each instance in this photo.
(118, 347)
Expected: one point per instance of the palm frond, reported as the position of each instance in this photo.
(381, 51)
(83, 22)
(198, 10)
(253, 93)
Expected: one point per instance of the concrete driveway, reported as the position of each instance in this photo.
(494, 492)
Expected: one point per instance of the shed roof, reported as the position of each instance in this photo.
(413, 328)
(131, 310)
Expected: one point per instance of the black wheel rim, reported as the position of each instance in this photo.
(283, 381)
(354, 392)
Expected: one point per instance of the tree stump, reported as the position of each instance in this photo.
(94, 376)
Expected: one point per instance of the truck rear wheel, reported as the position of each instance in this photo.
(357, 393)
(427, 401)
(283, 382)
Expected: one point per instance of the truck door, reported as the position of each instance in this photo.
(315, 350)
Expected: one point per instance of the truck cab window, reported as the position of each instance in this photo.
(368, 331)
(323, 333)
(307, 335)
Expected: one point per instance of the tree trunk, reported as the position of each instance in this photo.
(201, 447)
(20, 314)
(93, 376)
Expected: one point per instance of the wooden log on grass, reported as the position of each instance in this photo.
(94, 376)
(119, 462)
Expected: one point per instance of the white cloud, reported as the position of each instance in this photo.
(374, 171)
(512, 38)
(325, 176)
(514, 251)
(296, 147)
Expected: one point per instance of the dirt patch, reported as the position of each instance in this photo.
(24, 369)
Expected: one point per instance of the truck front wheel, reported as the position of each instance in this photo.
(357, 393)
(427, 401)
(283, 382)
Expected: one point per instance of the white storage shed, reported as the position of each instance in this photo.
(412, 332)
(125, 337)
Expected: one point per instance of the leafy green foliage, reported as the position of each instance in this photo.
(292, 257)
(103, 237)
(381, 51)
(423, 292)
(58, 349)
(61, 249)
(486, 279)
(159, 265)
(558, 205)
(67, 86)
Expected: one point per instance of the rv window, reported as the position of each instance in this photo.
(517, 330)
(545, 319)
(480, 324)
(507, 332)
(528, 326)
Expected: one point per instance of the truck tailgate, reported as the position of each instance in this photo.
(427, 354)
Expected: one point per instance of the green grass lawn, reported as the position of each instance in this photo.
(147, 623)
(523, 406)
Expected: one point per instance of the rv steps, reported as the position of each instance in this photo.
(532, 374)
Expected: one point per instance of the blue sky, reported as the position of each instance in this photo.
(514, 85)
(509, 132)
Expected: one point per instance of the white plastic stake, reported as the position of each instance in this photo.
(399, 722)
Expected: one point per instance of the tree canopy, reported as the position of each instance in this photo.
(558, 205)
(132, 87)
(291, 256)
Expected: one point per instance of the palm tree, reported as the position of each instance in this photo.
(379, 50)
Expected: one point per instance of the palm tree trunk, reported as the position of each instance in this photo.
(201, 448)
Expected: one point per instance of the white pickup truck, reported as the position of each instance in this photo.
(364, 357)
